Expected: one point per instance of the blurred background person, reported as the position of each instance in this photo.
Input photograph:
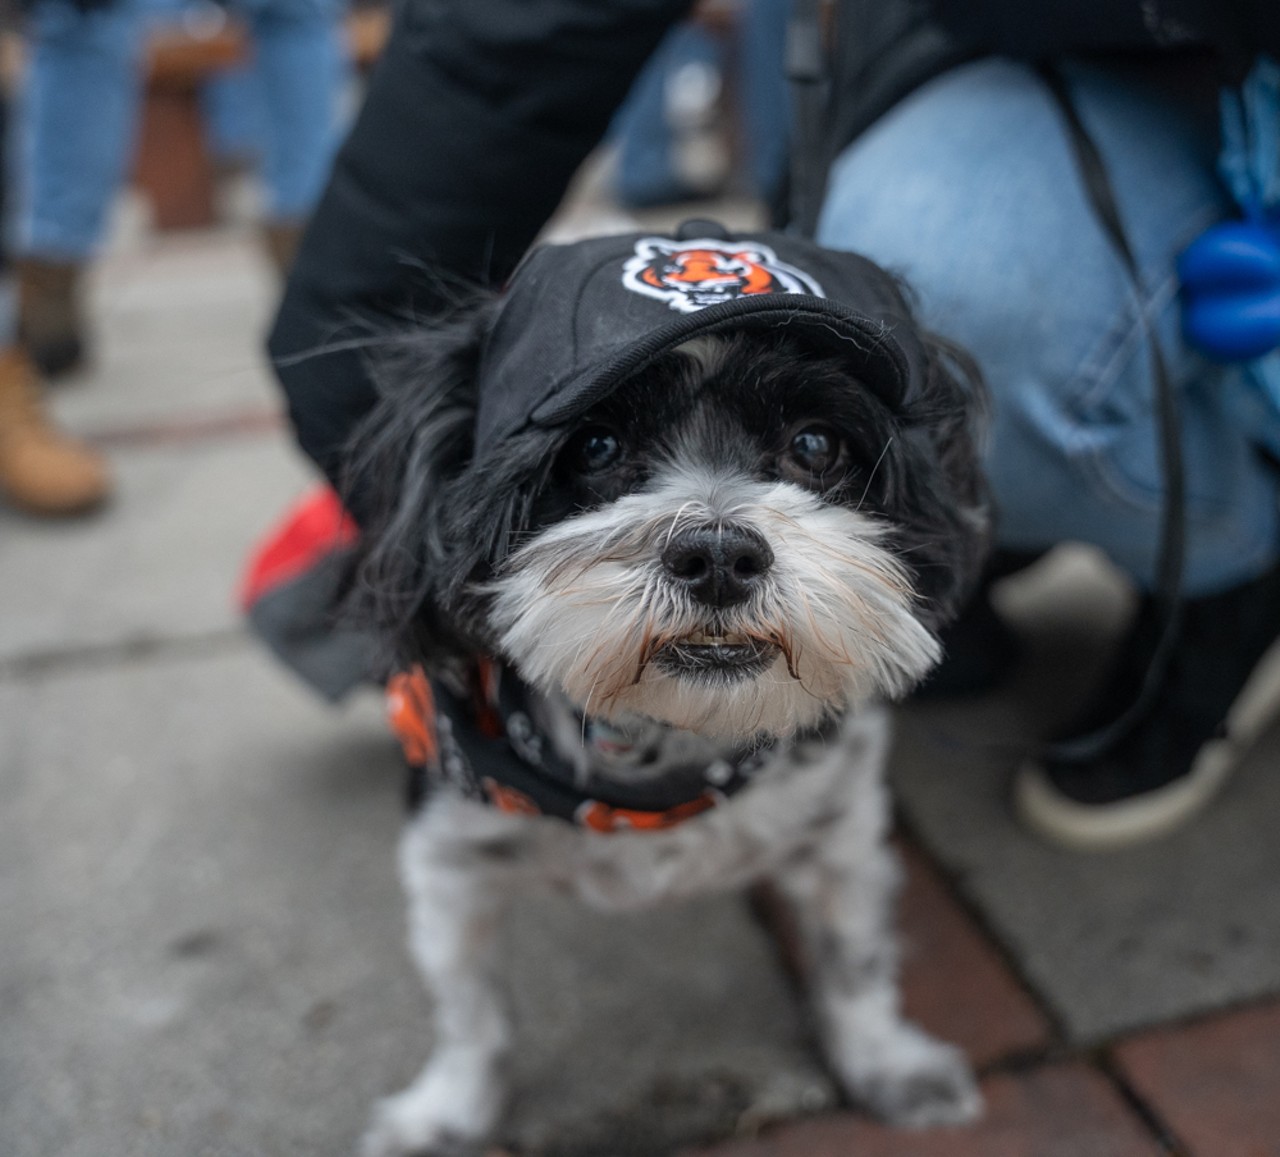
(42, 470)
(77, 118)
(675, 135)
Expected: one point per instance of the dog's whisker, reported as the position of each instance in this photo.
(870, 477)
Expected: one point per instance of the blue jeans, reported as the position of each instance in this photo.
(648, 162)
(76, 120)
(647, 170)
(969, 190)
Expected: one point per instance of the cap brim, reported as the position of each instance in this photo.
(871, 349)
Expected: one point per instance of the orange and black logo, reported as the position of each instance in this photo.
(691, 275)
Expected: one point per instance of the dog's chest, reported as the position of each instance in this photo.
(795, 801)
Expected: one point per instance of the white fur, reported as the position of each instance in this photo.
(580, 608)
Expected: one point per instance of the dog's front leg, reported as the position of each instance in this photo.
(842, 889)
(454, 914)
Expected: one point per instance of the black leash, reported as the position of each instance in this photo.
(1172, 549)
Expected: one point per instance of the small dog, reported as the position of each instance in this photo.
(657, 531)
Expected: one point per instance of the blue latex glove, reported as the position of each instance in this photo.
(1230, 278)
(1231, 274)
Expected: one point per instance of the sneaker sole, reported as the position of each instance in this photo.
(1103, 827)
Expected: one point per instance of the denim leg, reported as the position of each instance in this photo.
(231, 107)
(970, 191)
(765, 93)
(75, 125)
(647, 135)
(302, 71)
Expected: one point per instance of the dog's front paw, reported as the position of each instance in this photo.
(915, 1082)
(398, 1129)
(442, 1114)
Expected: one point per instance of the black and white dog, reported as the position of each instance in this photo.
(657, 532)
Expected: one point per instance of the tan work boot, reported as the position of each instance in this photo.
(50, 315)
(281, 240)
(42, 470)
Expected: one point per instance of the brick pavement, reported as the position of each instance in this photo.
(1207, 1088)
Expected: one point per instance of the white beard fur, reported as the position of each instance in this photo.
(580, 608)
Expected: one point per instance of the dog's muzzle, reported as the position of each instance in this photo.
(717, 567)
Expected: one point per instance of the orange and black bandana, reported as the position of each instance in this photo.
(487, 747)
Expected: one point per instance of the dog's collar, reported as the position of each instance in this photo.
(485, 744)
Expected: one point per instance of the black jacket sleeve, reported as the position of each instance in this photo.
(475, 120)
(1234, 29)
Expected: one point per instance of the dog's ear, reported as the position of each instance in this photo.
(402, 463)
(947, 537)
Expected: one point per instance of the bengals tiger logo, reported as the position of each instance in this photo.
(691, 275)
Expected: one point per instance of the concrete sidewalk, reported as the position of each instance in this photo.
(200, 930)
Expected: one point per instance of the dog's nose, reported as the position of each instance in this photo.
(718, 565)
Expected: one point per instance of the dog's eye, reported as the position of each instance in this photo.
(594, 450)
(814, 452)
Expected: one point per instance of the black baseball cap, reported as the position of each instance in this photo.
(576, 320)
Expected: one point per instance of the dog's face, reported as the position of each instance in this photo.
(705, 550)
(740, 540)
